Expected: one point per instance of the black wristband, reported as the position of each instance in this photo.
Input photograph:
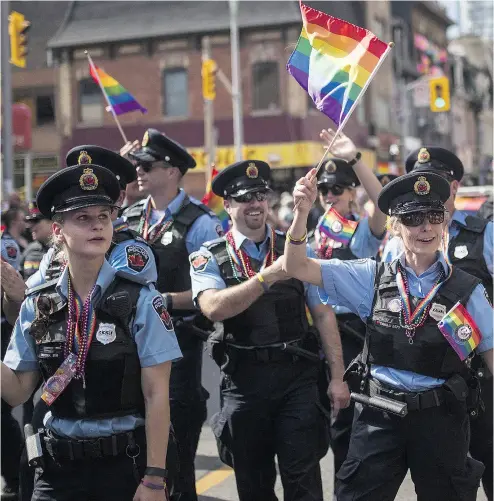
(154, 471)
(168, 302)
(358, 156)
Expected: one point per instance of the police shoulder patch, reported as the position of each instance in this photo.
(199, 260)
(137, 257)
(160, 308)
(11, 251)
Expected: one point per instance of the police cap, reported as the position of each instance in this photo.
(242, 177)
(435, 159)
(34, 215)
(124, 171)
(413, 192)
(157, 147)
(337, 171)
(384, 179)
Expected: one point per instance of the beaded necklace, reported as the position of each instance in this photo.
(324, 249)
(244, 259)
(81, 326)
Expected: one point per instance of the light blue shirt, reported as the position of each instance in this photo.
(395, 245)
(351, 284)
(11, 251)
(122, 257)
(155, 345)
(210, 276)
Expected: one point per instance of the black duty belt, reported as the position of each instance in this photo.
(274, 353)
(415, 400)
(114, 445)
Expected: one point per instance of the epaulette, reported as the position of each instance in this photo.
(214, 243)
(135, 209)
(205, 208)
(47, 285)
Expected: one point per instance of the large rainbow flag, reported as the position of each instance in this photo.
(215, 203)
(333, 61)
(119, 98)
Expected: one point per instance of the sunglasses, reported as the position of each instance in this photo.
(335, 189)
(417, 218)
(148, 166)
(260, 196)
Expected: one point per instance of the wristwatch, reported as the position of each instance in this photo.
(154, 471)
(358, 156)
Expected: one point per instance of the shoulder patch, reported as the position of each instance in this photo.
(199, 260)
(160, 308)
(11, 251)
(213, 243)
(219, 230)
(137, 257)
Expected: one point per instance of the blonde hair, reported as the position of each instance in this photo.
(59, 254)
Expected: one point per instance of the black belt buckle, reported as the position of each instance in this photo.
(92, 448)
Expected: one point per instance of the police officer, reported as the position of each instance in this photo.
(11, 250)
(424, 317)
(41, 232)
(269, 395)
(351, 237)
(471, 249)
(175, 225)
(104, 346)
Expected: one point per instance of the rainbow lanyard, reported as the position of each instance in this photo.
(151, 233)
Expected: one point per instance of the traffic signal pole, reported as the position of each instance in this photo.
(208, 114)
(7, 148)
(238, 129)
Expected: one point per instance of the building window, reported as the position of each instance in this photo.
(266, 88)
(175, 92)
(91, 101)
(45, 110)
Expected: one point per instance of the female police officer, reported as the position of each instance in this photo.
(424, 318)
(104, 346)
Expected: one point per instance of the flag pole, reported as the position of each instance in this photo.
(95, 73)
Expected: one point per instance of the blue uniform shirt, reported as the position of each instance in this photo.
(155, 345)
(351, 284)
(395, 245)
(120, 258)
(11, 251)
(210, 278)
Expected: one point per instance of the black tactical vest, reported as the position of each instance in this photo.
(31, 258)
(466, 250)
(171, 251)
(113, 371)
(339, 251)
(430, 354)
(277, 316)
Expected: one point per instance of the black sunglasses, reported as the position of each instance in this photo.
(148, 166)
(260, 196)
(417, 218)
(335, 189)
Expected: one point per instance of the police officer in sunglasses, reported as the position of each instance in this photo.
(471, 249)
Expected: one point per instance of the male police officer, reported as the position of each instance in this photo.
(471, 249)
(270, 403)
(175, 225)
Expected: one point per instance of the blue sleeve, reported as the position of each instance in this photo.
(392, 250)
(481, 312)
(153, 330)
(311, 291)
(204, 229)
(488, 244)
(364, 243)
(134, 260)
(11, 252)
(21, 352)
(349, 284)
(204, 273)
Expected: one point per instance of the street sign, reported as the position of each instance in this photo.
(421, 95)
(21, 127)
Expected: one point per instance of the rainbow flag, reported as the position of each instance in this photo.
(119, 98)
(215, 203)
(336, 227)
(333, 61)
(460, 330)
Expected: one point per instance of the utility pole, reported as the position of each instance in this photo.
(403, 95)
(238, 132)
(208, 114)
(7, 148)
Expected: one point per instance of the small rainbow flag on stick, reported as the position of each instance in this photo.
(335, 226)
(215, 203)
(334, 61)
(460, 330)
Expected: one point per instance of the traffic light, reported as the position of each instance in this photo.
(209, 79)
(18, 28)
(439, 92)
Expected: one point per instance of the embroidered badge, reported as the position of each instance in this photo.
(460, 251)
(422, 186)
(137, 257)
(84, 158)
(423, 156)
(330, 167)
(437, 311)
(145, 139)
(167, 238)
(199, 261)
(219, 230)
(160, 309)
(106, 333)
(252, 171)
(11, 251)
(88, 180)
(394, 305)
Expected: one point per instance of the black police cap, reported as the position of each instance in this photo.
(34, 215)
(413, 192)
(337, 171)
(77, 187)
(157, 147)
(242, 177)
(435, 159)
(384, 179)
(124, 171)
